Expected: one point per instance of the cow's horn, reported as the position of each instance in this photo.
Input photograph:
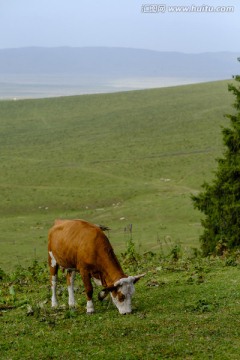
(137, 277)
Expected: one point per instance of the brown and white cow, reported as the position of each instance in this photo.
(77, 245)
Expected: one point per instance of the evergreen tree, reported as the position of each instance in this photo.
(220, 200)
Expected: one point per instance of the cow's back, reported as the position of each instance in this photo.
(76, 241)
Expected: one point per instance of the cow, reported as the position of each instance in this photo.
(79, 246)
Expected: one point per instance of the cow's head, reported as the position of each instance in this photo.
(121, 293)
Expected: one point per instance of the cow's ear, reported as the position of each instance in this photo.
(103, 293)
(136, 278)
(111, 288)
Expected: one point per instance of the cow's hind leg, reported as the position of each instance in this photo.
(89, 291)
(53, 277)
(70, 284)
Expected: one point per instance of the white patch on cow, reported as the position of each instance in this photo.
(54, 291)
(90, 307)
(71, 300)
(53, 260)
(97, 281)
(126, 288)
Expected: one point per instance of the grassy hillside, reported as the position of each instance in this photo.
(117, 159)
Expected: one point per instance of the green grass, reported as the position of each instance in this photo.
(117, 159)
(188, 309)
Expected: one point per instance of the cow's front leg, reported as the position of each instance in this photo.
(54, 290)
(53, 278)
(70, 284)
(89, 291)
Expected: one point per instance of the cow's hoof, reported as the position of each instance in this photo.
(90, 312)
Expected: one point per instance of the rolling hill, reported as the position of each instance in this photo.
(117, 159)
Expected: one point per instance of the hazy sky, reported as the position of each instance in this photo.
(194, 26)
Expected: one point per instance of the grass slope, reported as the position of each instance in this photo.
(181, 310)
(118, 159)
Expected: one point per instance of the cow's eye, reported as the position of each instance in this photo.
(121, 297)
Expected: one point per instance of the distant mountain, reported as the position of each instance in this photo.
(43, 72)
(118, 62)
